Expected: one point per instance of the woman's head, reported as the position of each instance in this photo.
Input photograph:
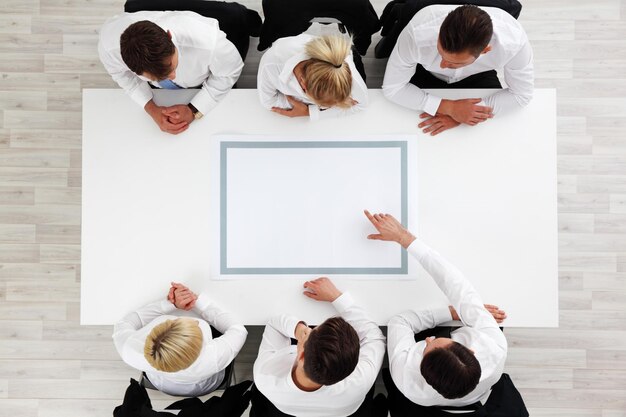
(327, 76)
(173, 345)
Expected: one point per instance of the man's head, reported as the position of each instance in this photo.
(464, 35)
(330, 352)
(450, 368)
(148, 50)
(173, 345)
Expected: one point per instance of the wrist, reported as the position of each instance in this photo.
(445, 107)
(406, 239)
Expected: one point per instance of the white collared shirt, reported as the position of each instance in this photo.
(207, 371)
(273, 366)
(276, 79)
(205, 56)
(480, 332)
(417, 44)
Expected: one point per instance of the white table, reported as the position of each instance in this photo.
(487, 200)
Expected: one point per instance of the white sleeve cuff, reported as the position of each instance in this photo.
(314, 112)
(432, 104)
(418, 249)
(343, 302)
(441, 315)
(202, 302)
(167, 307)
(142, 94)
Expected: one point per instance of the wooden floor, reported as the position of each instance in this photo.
(50, 366)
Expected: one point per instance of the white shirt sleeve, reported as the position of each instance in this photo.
(372, 343)
(400, 69)
(277, 335)
(225, 67)
(136, 320)
(233, 336)
(267, 88)
(519, 77)
(358, 93)
(461, 294)
(138, 89)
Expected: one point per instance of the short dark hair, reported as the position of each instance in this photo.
(145, 47)
(466, 29)
(331, 352)
(453, 371)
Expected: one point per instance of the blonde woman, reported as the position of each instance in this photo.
(312, 76)
(178, 354)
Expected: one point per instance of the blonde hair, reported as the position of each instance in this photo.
(327, 76)
(173, 345)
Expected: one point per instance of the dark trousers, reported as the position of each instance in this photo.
(424, 79)
(262, 407)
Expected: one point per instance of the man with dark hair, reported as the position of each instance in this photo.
(447, 46)
(457, 370)
(170, 50)
(330, 370)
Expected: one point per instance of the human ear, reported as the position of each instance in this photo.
(487, 49)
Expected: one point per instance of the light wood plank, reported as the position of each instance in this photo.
(71, 64)
(20, 330)
(576, 223)
(568, 339)
(568, 10)
(42, 119)
(604, 281)
(528, 377)
(577, 398)
(597, 184)
(17, 233)
(58, 234)
(19, 100)
(596, 262)
(37, 271)
(574, 145)
(583, 203)
(19, 408)
(609, 300)
(59, 330)
(82, 44)
(31, 291)
(10, 253)
(64, 254)
(44, 44)
(592, 320)
(65, 101)
(617, 203)
(40, 369)
(44, 158)
(31, 177)
(107, 370)
(27, 81)
(70, 196)
(575, 300)
(21, 310)
(57, 349)
(37, 138)
(606, 359)
(535, 357)
(16, 62)
(28, 7)
(609, 379)
(67, 24)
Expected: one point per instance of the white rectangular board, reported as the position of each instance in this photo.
(288, 205)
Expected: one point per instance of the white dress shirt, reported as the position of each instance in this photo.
(417, 44)
(276, 79)
(273, 366)
(479, 333)
(207, 371)
(205, 56)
